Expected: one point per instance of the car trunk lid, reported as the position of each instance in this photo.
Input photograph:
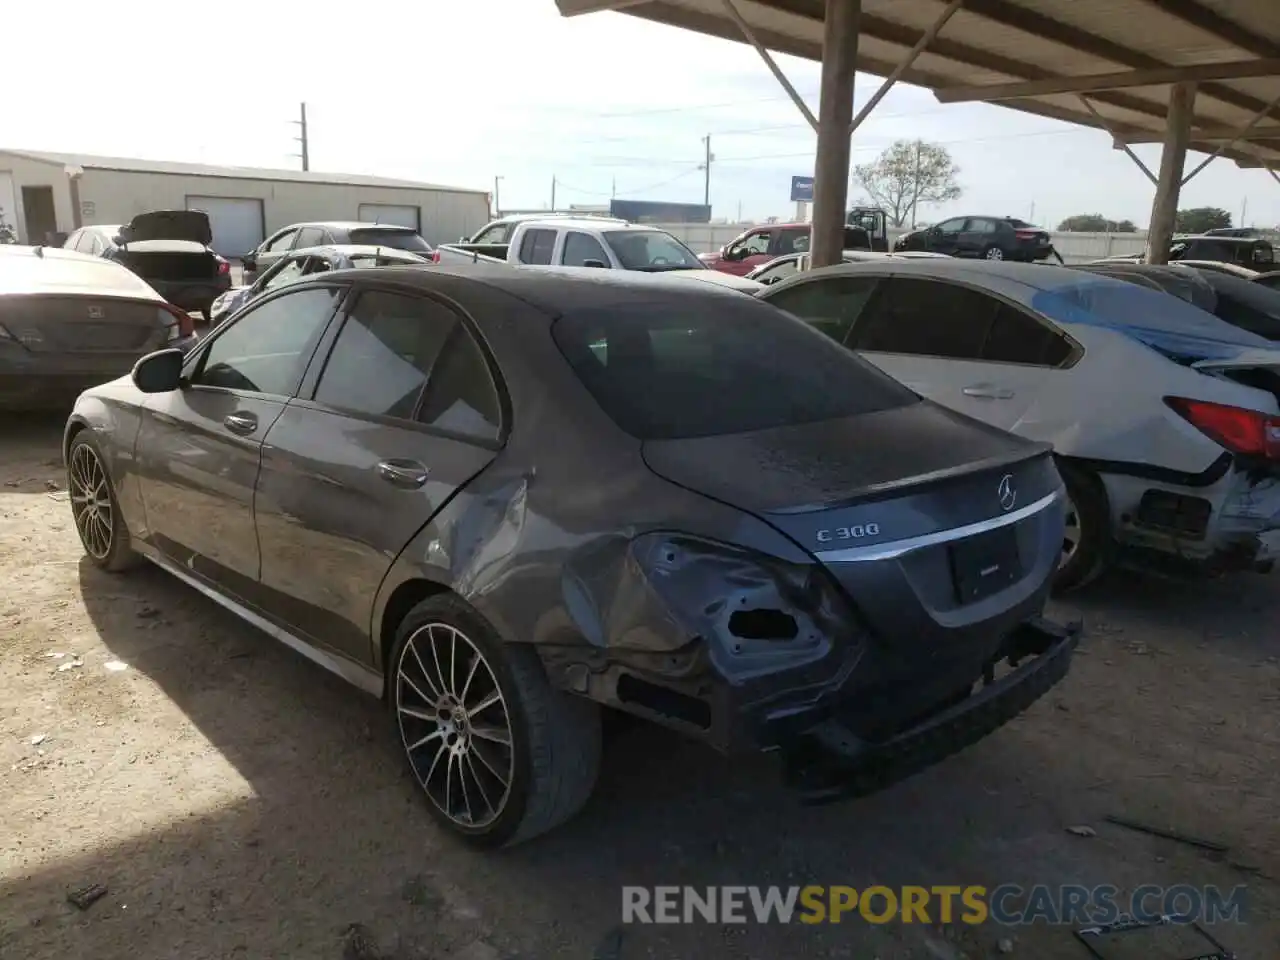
(191, 225)
(166, 261)
(943, 532)
(910, 486)
(88, 326)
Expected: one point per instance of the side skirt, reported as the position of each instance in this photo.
(367, 680)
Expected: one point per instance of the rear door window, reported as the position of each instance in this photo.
(382, 358)
(537, 246)
(678, 368)
(926, 318)
(1017, 337)
(830, 306)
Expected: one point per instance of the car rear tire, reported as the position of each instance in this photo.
(94, 507)
(206, 311)
(993, 253)
(1087, 541)
(501, 755)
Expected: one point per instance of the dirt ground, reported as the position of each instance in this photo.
(237, 801)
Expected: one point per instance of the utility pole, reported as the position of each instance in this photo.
(302, 139)
(613, 190)
(497, 207)
(553, 193)
(1244, 206)
(705, 167)
(915, 188)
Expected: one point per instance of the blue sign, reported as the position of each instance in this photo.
(802, 189)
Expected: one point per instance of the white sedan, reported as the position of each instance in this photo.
(1164, 419)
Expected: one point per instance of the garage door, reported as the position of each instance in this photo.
(389, 213)
(236, 222)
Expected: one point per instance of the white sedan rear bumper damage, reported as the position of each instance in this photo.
(1232, 523)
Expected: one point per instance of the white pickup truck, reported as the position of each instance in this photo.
(584, 242)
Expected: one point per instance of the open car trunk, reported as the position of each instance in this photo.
(169, 260)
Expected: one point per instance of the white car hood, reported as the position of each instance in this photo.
(729, 280)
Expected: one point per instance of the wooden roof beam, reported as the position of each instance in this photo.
(1215, 24)
(1037, 24)
(1206, 135)
(1110, 81)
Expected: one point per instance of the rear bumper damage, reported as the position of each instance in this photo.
(1229, 524)
(829, 762)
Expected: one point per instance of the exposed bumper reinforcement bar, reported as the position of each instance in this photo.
(828, 762)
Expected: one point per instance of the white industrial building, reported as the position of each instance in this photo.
(43, 193)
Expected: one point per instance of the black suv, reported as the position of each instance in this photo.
(992, 238)
(1252, 252)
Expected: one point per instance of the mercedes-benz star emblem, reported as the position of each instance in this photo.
(1007, 493)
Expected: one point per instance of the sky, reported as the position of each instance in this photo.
(458, 93)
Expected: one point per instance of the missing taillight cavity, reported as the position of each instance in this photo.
(1242, 431)
(762, 624)
(184, 326)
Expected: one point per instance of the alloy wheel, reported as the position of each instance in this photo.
(1071, 534)
(995, 253)
(455, 725)
(91, 501)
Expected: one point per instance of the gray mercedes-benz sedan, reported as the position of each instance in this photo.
(503, 499)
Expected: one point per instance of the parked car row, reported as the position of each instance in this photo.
(506, 486)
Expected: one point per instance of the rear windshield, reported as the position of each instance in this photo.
(400, 239)
(672, 370)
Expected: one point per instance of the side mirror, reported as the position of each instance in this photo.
(159, 372)
(598, 264)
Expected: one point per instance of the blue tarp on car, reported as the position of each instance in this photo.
(1161, 321)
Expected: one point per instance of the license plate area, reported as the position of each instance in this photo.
(984, 564)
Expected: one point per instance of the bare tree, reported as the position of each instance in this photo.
(908, 173)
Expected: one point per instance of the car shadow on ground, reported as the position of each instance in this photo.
(329, 831)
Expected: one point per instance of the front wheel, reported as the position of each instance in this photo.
(500, 754)
(94, 507)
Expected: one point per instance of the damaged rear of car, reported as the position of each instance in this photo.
(864, 566)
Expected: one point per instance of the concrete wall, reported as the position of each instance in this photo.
(1074, 247)
(29, 173)
(116, 196)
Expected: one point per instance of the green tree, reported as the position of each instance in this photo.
(1095, 223)
(1200, 219)
(907, 173)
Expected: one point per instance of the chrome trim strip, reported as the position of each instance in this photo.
(362, 677)
(896, 548)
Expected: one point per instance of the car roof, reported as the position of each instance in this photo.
(359, 250)
(556, 289)
(349, 225)
(54, 270)
(1036, 275)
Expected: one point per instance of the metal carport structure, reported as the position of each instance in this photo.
(1200, 74)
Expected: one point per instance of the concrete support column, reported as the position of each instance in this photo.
(1177, 134)
(835, 113)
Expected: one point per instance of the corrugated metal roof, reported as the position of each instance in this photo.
(1006, 41)
(132, 165)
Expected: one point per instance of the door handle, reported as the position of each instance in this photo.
(409, 474)
(241, 423)
(987, 391)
